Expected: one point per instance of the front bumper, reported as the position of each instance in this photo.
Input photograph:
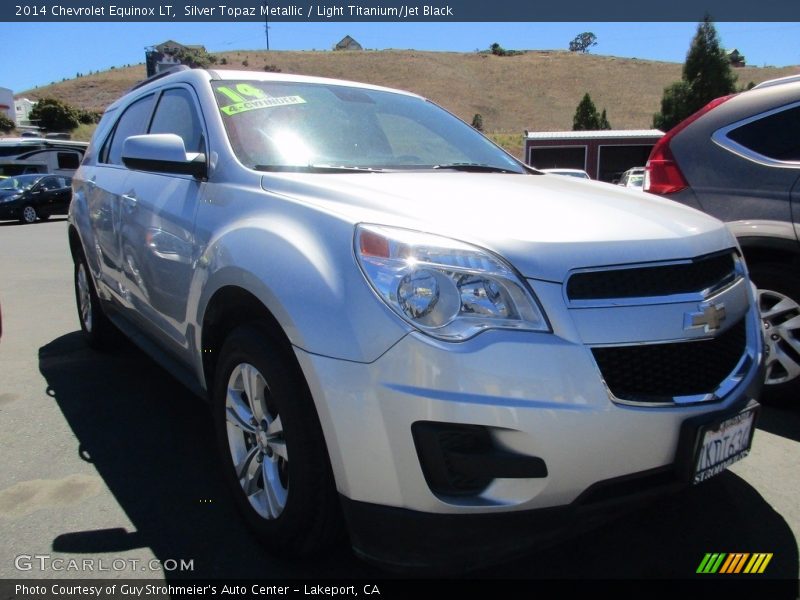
(407, 539)
(538, 395)
(9, 210)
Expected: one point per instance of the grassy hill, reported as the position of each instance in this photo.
(537, 90)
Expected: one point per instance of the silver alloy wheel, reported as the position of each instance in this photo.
(256, 442)
(29, 214)
(780, 320)
(84, 297)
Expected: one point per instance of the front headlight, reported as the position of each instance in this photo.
(11, 198)
(445, 288)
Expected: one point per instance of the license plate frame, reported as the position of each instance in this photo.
(723, 442)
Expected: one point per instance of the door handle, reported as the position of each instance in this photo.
(129, 203)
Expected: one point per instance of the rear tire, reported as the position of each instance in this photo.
(270, 441)
(96, 327)
(779, 303)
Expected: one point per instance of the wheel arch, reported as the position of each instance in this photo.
(229, 307)
(758, 250)
(75, 245)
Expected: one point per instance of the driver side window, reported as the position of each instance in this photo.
(132, 122)
(176, 114)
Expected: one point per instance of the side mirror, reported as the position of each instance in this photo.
(162, 153)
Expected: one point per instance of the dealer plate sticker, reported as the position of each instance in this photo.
(724, 444)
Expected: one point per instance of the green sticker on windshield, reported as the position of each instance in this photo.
(246, 105)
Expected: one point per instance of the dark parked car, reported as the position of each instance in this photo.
(738, 159)
(31, 197)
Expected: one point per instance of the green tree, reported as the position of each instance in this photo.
(582, 42)
(587, 118)
(55, 115)
(674, 106)
(706, 75)
(604, 124)
(477, 121)
(195, 58)
(6, 124)
(498, 50)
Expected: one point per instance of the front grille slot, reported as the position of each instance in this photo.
(658, 373)
(706, 272)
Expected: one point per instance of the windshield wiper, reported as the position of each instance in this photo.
(474, 168)
(316, 169)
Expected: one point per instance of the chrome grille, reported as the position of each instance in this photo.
(658, 373)
(712, 271)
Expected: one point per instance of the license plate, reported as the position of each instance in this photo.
(724, 443)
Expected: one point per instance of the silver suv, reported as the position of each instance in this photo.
(401, 328)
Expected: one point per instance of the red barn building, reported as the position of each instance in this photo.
(604, 154)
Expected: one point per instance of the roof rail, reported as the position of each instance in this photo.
(170, 71)
(779, 81)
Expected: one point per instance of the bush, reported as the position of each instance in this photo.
(54, 115)
(498, 50)
(6, 124)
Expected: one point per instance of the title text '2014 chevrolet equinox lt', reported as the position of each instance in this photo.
(400, 327)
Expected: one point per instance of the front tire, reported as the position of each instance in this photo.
(28, 215)
(270, 441)
(779, 303)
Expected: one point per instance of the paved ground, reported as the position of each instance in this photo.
(104, 456)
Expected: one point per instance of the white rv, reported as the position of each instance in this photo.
(23, 155)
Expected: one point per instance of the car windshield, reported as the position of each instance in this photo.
(636, 180)
(19, 182)
(308, 126)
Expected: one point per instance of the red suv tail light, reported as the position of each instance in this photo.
(662, 174)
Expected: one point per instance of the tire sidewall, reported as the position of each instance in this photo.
(779, 278)
(252, 346)
(100, 337)
(23, 216)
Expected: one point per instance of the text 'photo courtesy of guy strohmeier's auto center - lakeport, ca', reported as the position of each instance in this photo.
(315, 301)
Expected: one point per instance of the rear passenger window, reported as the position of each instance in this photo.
(49, 183)
(176, 114)
(776, 136)
(68, 160)
(132, 122)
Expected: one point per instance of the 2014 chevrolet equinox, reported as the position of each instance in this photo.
(401, 328)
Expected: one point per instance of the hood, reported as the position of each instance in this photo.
(544, 225)
(9, 193)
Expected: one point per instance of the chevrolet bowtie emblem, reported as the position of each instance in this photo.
(710, 317)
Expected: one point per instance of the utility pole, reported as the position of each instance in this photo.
(266, 25)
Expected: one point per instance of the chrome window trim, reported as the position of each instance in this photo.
(720, 137)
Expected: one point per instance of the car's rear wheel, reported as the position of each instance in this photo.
(779, 303)
(28, 214)
(96, 327)
(273, 452)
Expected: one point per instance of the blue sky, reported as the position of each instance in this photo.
(39, 53)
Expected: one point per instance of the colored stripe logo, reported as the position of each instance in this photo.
(734, 563)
